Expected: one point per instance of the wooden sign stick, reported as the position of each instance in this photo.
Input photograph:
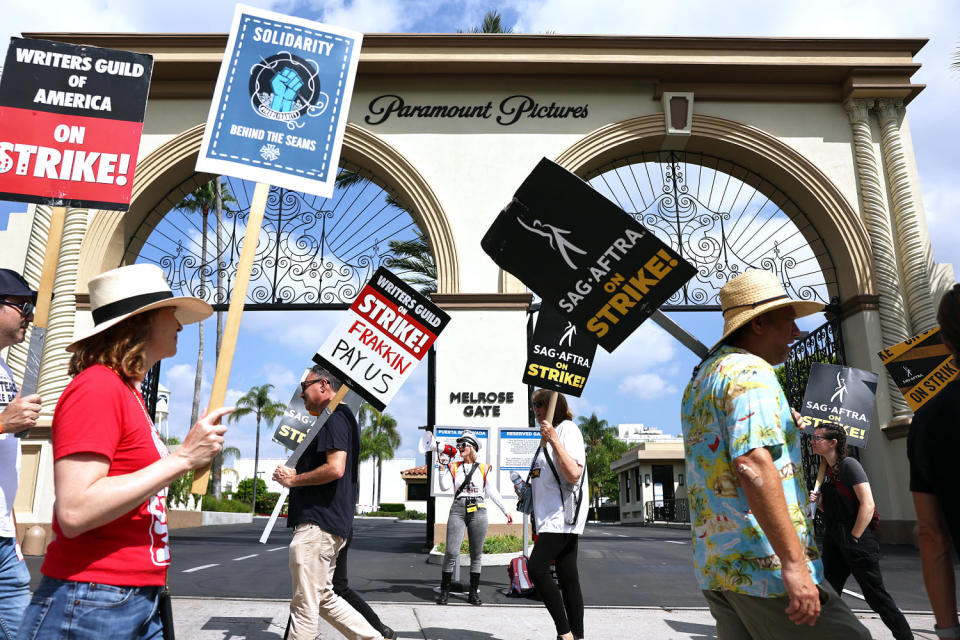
(816, 487)
(551, 407)
(232, 329)
(41, 315)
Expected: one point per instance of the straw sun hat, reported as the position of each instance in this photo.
(120, 293)
(752, 293)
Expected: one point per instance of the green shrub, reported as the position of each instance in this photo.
(413, 514)
(392, 507)
(268, 501)
(231, 506)
(245, 490)
(494, 544)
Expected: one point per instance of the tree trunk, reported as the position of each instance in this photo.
(379, 481)
(256, 463)
(198, 380)
(373, 486)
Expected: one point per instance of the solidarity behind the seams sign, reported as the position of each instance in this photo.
(280, 106)
(583, 255)
(70, 123)
(385, 334)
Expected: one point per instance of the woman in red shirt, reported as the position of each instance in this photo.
(104, 571)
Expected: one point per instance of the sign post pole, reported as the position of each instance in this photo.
(232, 329)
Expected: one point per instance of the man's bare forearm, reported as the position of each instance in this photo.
(323, 474)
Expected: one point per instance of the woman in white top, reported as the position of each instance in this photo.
(560, 511)
(471, 482)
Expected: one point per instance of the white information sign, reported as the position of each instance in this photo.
(517, 447)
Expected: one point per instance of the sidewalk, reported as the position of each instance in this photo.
(219, 619)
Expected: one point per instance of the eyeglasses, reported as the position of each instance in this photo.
(462, 445)
(539, 405)
(25, 308)
(307, 383)
(820, 438)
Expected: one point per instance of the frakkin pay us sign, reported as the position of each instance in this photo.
(387, 331)
(843, 396)
(560, 354)
(280, 106)
(70, 123)
(583, 255)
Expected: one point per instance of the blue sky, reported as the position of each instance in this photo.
(643, 381)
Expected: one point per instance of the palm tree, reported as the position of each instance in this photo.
(600, 442)
(492, 23)
(378, 440)
(202, 199)
(257, 401)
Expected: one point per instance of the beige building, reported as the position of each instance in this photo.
(652, 479)
(810, 136)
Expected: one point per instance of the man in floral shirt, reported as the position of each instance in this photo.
(754, 551)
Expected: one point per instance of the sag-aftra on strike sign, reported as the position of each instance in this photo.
(70, 123)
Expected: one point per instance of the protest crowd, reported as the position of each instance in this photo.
(758, 563)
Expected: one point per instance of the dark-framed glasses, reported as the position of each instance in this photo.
(815, 437)
(307, 383)
(539, 405)
(25, 308)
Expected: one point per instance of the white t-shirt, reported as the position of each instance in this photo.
(547, 505)
(9, 457)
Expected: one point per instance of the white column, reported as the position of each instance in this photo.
(893, 318)
(17, 354)
(53, 366)
(915, 254)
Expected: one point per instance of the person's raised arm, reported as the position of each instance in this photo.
(761, 484)
(936, 560)
(86, 498)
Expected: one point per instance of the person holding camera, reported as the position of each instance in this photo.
(471, 480)
(558, 477)
(849, 545)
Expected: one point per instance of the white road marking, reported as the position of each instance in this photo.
(854, 594)
(203, 566)
(676, 542)
(620, 535)
(606, 534)
(275, 549)
(252, 555)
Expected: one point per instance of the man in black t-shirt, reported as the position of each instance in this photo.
(323, 492)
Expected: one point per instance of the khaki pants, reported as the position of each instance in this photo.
(742, 617)
(313, 558)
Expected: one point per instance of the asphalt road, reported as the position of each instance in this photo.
(619, 566)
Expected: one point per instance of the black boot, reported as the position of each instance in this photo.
(474, 597)
(445, 578)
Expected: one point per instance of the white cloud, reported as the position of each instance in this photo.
(647, 386)
(646, 348)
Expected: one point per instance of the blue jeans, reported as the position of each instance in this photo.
(14, 589)
(90, 611)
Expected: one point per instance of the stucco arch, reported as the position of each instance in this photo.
(109, 241)
(811, 193)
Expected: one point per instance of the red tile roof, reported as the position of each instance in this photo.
(415, 472)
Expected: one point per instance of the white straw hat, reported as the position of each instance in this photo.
(753, 293)
(120, 293)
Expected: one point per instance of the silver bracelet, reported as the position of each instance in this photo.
(947, 632)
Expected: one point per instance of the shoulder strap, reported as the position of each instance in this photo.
(466, 481)
(843, 488)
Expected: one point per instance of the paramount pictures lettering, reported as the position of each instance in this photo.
(509, 111)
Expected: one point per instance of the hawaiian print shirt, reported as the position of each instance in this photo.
(734, 404)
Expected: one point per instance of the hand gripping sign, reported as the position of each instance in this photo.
(583, 255)
(387, 331)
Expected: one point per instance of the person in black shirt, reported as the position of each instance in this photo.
(932, 449)
(323, 492)
(849, 545)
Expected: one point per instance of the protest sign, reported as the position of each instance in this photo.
(583, 255)
(387, 331)
(560, 357)
(70, 123)
(448, 435)
(920, 366)
(281, 101)
(297, 423)
(843, 396)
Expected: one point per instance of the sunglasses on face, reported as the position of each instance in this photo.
(462, 446)
(307, 383)
(25, 308)
(539, 405)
